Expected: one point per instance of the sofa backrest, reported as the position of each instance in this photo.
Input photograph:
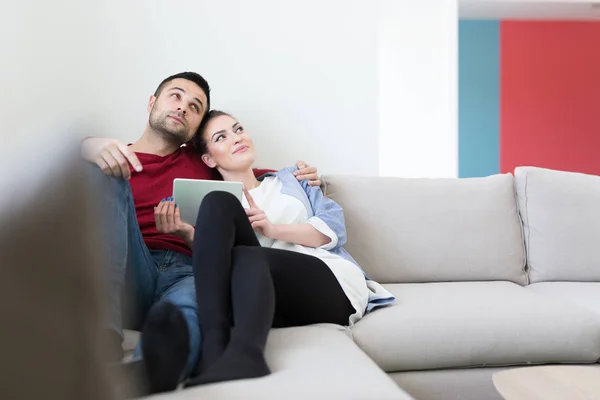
(561, 219)
(432, 230)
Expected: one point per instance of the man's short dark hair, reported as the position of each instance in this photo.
(192, 77)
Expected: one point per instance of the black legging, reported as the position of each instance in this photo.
(244, 289)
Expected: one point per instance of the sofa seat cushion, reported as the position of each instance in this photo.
(130, 340)
(470, 324)
(584, 294)
(309, 362)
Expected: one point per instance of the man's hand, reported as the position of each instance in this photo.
(306, 172)
(167, 217)
(258, 219)
(111, 155)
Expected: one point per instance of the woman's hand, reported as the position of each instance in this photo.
(167, 217)
(258, 219)
(302, 234)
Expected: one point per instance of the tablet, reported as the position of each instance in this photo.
(188, 194)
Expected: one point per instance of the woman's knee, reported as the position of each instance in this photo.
(220, 197)
(216, 201)
(250, 258)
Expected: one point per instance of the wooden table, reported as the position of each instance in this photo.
(549, 383)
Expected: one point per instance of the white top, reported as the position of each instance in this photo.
(285, 209)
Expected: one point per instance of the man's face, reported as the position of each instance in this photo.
(178, 110)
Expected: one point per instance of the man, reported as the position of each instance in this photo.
(147, 250)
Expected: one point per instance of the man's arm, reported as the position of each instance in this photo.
(305, 173)
(112, 156)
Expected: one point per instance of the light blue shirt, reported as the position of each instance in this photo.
(327, 210)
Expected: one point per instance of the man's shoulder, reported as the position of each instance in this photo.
(263, 172)
(189, 154)
(189, 151)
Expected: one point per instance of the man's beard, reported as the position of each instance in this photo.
(172, 132)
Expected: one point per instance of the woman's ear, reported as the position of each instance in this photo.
(208, 161)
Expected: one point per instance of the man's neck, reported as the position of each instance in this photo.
(246, 177)
(153, 143)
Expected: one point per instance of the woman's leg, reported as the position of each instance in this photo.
(295, 288)
(222, 224)
(253, 302)
(306, 291)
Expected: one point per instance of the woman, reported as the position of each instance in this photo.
(274, 260)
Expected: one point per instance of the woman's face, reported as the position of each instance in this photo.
(230, 148)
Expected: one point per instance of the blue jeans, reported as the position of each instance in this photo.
(139, 277)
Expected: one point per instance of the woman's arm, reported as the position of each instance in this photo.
(328, 216)
(302, 234)
(326, 228)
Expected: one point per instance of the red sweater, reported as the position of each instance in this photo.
(155, 183)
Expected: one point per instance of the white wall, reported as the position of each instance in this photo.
(418, 80)
(301, 75)
(350, 86)
(42, 68)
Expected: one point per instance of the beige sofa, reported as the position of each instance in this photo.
(489, 273)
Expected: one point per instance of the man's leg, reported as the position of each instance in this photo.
(170, 342)
(126, 255)
(183, 295)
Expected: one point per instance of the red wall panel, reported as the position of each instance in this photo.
(550, 95)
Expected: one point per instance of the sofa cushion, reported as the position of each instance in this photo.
(584, 294)
(561, 219)
(468, 324)
(432, 230)
(307, 362)
(130, 340)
